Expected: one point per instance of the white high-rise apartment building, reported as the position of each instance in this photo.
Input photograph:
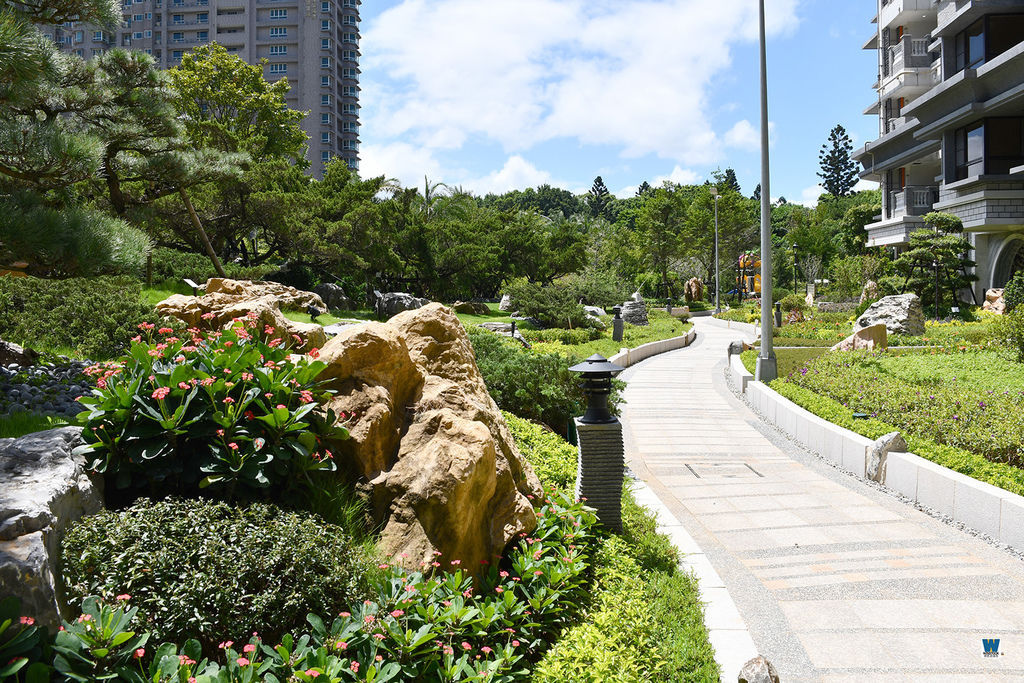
(950, 108)
(315, 44)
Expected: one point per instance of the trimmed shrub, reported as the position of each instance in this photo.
(210, 571)
(562, 336)
(554, 305)
(552, 457)
(174, 265)
(535, 386)
(231, 411)
(793, 302)
(94, 318)
(1008, 332)
(1013, 293)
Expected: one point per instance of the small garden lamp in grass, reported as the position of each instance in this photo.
(618, 324)
(600, 454)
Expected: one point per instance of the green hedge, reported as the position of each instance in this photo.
(89, 317)
(174, 265)
(210, 571)
(1006, 477)
(553, 458)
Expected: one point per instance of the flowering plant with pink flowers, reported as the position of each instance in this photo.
(227, 410)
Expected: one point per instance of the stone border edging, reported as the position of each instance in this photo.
(727, 630)
(980, 505)
(628, 357)
(748, 328)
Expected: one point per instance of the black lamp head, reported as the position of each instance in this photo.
(597, 374)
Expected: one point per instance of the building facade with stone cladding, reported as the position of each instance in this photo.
(312, 43)
(950, 107)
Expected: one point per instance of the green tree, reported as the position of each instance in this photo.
(730, 182)
(838, 169)
(599, 199)
(226, 104)
(937, 258)
(644, 188)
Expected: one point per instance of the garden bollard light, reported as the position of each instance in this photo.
(778, 314)
(600, 454)
(617, 324)
(513, 329)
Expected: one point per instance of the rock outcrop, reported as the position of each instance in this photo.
(758, 670)
(390, 304)
(994, 301)
(471, 308)
(693, 290)
(333, 296)
(594, 310)
(867, 338)
(45, 488)
(445, 472)
(227, 300)
(505, 305)
(13, 353)
(878, 454)
(901, 314)
(635, 312)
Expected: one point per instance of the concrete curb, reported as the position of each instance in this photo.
(727, 630)
(628, 357)
(747, 328)
(979, 505)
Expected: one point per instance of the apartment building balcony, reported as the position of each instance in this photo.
(900, 12)
(913, 200)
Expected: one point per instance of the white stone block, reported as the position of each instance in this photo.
(815, 433)
(935, 487)
(901, 473)
(977, 504)
(833, 438)
(854, 453)
(1011, 521)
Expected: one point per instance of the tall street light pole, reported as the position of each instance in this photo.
(767, 366)
(714, 192)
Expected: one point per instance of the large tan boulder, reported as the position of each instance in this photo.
(693, 290)
(868, 338)
(287, 297)
(994, 301)
(224, 305)
(446, 475)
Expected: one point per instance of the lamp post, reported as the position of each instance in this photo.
(795, 280)
(714, 193)
(601, 454)
(935, 264)
(767, 366)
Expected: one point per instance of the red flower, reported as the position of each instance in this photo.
(161, 393)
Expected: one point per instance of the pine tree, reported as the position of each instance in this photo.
(937, 253)
(838, 169)
(729, 181)
(757, 193)
(599, 199)
(644, 188)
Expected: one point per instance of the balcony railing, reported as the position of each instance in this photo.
(908, 53)
(913, 200)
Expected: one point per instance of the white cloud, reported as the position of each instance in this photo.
(744, 136)
(631, 74)
(516, 174)
(809, 197)
(408, 163)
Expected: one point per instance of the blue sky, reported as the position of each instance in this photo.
(493, 95)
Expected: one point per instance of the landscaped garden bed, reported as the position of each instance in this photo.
(958, 408)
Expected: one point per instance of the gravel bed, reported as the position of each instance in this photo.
(45, 388)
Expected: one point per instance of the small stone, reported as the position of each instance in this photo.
(868, 338)
(892, 442)
(758, 670)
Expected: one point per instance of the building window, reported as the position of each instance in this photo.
(325, 81)
(178, 19)
(325, 6)
(278, 14)
(325, 100)
(349, 20)
(96, 52)
(176, 55)
(203, 18)
(350, 37)
(202, 36)
(350, 55)
(325, 62)
(325, 119)
(325, 43)
(353, 164)
(986, 39)
(351, 74)
(177, 37)
(137, 35)
(969, 150)
(1004, 144)
(79, 36)
(149, 34)
(325, 156)
(325, 24)
(137, 17)
(276, 50)
(325, 138)
(278, 68)
(278, 33)
(349, 91)
(97, 35)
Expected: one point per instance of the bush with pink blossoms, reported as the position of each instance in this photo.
(230, 411)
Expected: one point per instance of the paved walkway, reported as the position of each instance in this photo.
(836, 580)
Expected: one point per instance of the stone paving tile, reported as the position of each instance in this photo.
(836, 581)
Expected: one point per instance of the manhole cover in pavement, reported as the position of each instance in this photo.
(723, 470)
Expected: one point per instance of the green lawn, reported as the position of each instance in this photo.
(662, 326)
(789, 360)
(19, 424)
